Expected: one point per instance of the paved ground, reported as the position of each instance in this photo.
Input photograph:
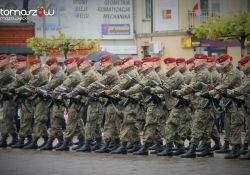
(31, 162)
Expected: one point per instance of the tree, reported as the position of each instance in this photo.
(236, 27)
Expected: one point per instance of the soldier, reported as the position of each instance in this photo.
(202, 120)
(153, 114)
(244, 89)
(41, 110)
(27, 113)
(74, 124)
(230, 78)
(190, 64)
(9, 111)
(109, 79)
(57, 110)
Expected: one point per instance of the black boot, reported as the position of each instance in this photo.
(201, 147)
(14, 139)
(129, 145)
(64, 146)
(224, 149)
(86, 147)
(80, 143)
(116, 144)
(19, 144)
(45, 140)
(59, 142)
(153, 147)
(246, 156)
(244, 148)
(234, 153)
(158, 148)
(143, 150)
(167, 151)
(97, 144)
(32, 145)
(48, 146)
(136, 147)
(206, 152)
(217, 145)
(3, 142)
(190, 153)
(180, 150)
(29, 140)
(104, 148)
(121, 150)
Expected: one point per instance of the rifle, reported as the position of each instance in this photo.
(82, 91)
(130, 99)
(155, 98)
(111, 99)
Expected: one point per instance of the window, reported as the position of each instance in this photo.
(147, 9)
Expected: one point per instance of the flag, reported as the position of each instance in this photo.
(195, 8)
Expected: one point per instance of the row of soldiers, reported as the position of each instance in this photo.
(169, 103)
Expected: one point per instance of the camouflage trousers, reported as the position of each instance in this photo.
(129, 131)
(94, 117)
(9, 114)
(140, 118)
(56, 121)
(74, 126)
(233, 124)
(202, 126)
(41, 113)
(26, 121)
(164, 115)
(247, 124)
(111, 131)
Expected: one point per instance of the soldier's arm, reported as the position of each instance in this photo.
(55, 82)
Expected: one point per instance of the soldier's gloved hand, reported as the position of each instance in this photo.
(12, 91)
(205, 94)
(4, 90)
(64, 96)
(101, 94)
(122, 93)
(173, 93)
(147, 89)
(223, 92)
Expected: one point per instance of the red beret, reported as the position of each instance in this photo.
(3, 56)
(81, 60)
(118, 62)
(147, 59)
(211, 59)
(125, 59)
(91, 63)
(180, 60)
(105, 58)
(51, 61)
(156, 58)
(169, 60)
(77, 58)
(244, 60)
(69, 60)
(200, 56)
(35, 61)
(21, 58)
(137, 62)
(224, 57)
(190, 60)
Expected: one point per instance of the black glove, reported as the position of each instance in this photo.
(173, 93)
(101, 94)
(205, 94)
(147, 89)
(223, 92)
(122, 93)
(13, 91)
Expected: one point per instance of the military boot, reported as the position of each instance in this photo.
(201, 147)
(224, 149)
(206, 152)
(190, 153)
(97, 144)
(86, 147)
(158, 148)
(64, 146)
(14, 139)
(32, 145)
(49, 145)
(217, 145)
(129, 145)
(244, 148)
(246, 156)
(29, 140)
(104, 148)
(234, 153)
(153, 147)
(80, 143)
(59, 142)
(45, 140)
(136, 147)
(3, 142)
(19, 144)
(116, 144)
(143, 150)
(121, 150)
(167, 151)
(180, 150)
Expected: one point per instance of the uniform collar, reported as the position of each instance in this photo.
(84, 71)
(227, 68)
(108, 68)
(197, 69)
(147, 70)
(72, 70)
(128, 69)
(54, 71)
(36, 71)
